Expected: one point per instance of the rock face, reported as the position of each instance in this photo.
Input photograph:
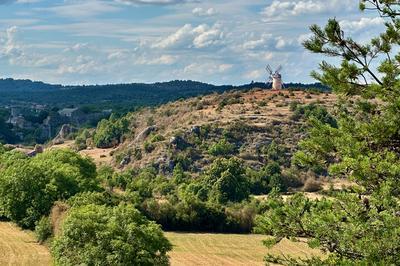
(64, 132)
(145, 133)
(125, 161)
(164, 164)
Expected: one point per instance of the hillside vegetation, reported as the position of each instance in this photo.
(250, 125)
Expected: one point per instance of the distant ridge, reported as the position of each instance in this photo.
(111, 95)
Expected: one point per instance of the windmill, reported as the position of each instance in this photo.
(275, 78)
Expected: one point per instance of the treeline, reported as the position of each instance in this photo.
(116, 95)
(97, 229)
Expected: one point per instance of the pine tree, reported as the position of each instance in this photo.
(361, 225)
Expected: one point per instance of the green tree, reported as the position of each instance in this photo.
(221, 148)
(109, 132)
(30, 186)
(101, 235)
(225, 181)
(364, 225)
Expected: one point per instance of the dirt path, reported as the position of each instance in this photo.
(99, 156)
(19, 248)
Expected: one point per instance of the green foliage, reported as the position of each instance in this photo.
(101, 235)
(225, 181)
(221, 148)
(316, 112)
(363, 146)
(29, 187)
(43, 229)
(109, 132)
(148, 146)
(81, 139)
(90, 197)
(105, 174)
(267, 179)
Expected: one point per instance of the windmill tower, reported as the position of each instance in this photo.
(275, 77)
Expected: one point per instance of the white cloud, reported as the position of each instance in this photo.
(77, 47)
(81, 65)
(84, 9)
(361, 24)
(188, 36)
(278, 9)
(160, 60)
(202, 12)
(206, 68)
(255, 74)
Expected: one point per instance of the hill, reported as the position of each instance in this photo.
(250, 125)
(112, 95)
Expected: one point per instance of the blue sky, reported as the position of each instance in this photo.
(123, 41)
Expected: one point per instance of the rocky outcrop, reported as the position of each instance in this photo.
(63, 134)
(145, 133)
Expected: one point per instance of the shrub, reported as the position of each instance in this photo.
(221, 148)
(148, 146)
(101, 235)
(43, 229)
(109, 132)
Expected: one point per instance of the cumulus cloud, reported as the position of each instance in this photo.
(279, 9)
(204, 12)
(361, 24)
(81, 65)
(16, 54)
(82, 9)
(269, 42)
(160, 60)
(255, 74)
(207, 68)
(188, 36)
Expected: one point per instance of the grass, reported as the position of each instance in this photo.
(19, 248)
(227, 249)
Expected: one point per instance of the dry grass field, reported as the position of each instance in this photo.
(227, 249)
(19, 248)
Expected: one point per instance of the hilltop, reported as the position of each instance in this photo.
(256, 126)
(249, 121)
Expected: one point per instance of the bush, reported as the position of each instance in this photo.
(148, 146)
(101, 235)
(225, 181)
(43, 229)
(221, 148)
(109, 132)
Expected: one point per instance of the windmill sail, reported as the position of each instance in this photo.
(275, 77)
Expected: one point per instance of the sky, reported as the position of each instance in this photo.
(124, 41)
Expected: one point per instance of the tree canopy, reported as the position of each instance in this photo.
(101, 235)
(361, 225)
(30, 186)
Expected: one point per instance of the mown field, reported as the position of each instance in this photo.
(227, 249)
(19, 248)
